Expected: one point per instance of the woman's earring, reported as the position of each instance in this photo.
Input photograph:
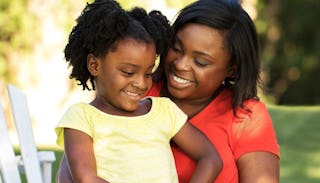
(232, 82)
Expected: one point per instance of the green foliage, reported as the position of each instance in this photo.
(143, 3)
(290, 49)
(298, 134)
(16, 24)
(130, 4)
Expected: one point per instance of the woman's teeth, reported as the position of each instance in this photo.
(180, 80)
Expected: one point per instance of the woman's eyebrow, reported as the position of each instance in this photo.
(203, 54)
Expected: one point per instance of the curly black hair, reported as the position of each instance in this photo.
(104, 22)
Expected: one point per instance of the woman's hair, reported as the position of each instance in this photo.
(240, 36)
(103, 23)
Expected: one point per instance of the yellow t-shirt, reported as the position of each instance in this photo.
(129, 149)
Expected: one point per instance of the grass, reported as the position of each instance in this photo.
(298, 134)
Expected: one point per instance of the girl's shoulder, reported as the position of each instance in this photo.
(160, 101)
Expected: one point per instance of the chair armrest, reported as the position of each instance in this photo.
(46, 158)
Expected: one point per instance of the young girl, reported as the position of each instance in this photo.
(121, 136)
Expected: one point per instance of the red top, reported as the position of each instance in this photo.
(231, 136)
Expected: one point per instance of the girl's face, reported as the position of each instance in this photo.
(197, 63)
(123, 76)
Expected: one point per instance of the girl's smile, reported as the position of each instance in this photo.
(123, 76)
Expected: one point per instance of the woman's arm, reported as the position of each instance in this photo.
(80, 156)
(198, 147)
(258, 167)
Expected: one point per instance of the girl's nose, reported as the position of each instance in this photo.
(140, 82)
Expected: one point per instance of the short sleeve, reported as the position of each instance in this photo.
(255, 132)
(76, 118)
(178, 117)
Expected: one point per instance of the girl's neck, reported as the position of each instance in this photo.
(104, 106)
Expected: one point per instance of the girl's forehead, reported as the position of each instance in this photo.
(132, 50)
(130, 41)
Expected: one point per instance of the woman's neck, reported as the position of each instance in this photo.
(191, 106)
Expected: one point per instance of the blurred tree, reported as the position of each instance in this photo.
(16, 23)
(291, 50)
(178, 3)
(145, 3)
(129, 4)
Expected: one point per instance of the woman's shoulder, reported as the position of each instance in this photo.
(254, 112)
(255, 106)
(252, 130)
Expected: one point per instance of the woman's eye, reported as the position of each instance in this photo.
(176, 48)
(200, 63)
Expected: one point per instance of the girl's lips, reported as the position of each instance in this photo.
(134, 95)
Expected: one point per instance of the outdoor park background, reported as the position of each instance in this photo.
(33, 34)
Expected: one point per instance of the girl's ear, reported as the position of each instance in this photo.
(93, 64)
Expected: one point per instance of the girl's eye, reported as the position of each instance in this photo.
(176, 48)
(126, 73)
(148, 75)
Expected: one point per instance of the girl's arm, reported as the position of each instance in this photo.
(194, 143)
(80, 157)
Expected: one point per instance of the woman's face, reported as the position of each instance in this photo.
(197, 63)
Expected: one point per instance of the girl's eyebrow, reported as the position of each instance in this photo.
(126, 64)
(133, 65)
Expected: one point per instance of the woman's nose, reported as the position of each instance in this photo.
(182, 62)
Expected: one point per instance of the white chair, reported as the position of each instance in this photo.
(9, 172)
(37, 165)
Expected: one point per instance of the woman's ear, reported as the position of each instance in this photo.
(93, 64)
(232, 71)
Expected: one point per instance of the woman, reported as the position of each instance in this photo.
(212, 74)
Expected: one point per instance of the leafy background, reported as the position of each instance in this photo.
(33, 34)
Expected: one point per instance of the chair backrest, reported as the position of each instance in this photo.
(8, 164)
(23, 125)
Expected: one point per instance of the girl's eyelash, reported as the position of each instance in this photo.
(127, 73)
